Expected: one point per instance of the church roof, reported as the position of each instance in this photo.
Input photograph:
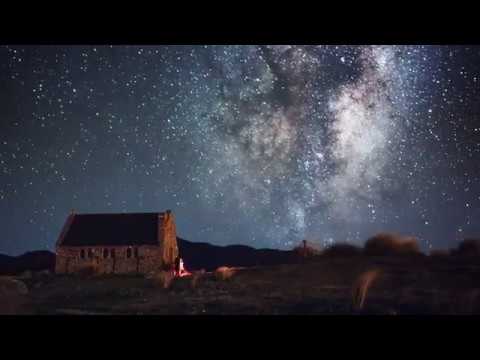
(111, 229)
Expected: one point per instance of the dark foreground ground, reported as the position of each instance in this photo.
(419, 285)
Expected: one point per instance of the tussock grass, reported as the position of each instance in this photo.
(361, 287)
(468, 247)
(196, 277)
(439, 253)
(163, 279)
(224, 273)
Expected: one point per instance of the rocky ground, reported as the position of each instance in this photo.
(351, 285)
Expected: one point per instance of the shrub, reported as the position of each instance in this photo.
(468, 247)
(224, 273)
(342, 250)
(391, 244)
(163, 278)
(361, 286)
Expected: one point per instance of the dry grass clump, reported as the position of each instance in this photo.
(362, 285)
(439, 253)
(391, 244)
(196, 277)
(468, 247)
(470, 302)
(12, 294)
(10, 285)
(342, 250)
(27, 274)
(224, 273)
(163, 279)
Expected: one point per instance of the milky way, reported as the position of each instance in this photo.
(259, 145)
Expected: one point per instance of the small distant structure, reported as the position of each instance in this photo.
(129, 243)
(306, 249)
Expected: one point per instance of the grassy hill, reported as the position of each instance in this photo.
(387, 276)
(401, 285)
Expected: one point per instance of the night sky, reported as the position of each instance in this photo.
(255, 145)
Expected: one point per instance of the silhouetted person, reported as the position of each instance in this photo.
(177, 266)
(180, 268)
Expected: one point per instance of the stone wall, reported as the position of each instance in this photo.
(143, 259)
(168, 238)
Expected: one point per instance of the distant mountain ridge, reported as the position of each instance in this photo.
(32, 260)
(196, 255)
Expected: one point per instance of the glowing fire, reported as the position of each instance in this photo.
(181, 271)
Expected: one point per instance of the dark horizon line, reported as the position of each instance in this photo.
(427, 252)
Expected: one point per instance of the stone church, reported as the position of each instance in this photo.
(131, 243)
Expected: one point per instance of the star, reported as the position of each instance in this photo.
(257, 145)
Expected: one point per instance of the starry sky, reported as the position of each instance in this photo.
(252, 144)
